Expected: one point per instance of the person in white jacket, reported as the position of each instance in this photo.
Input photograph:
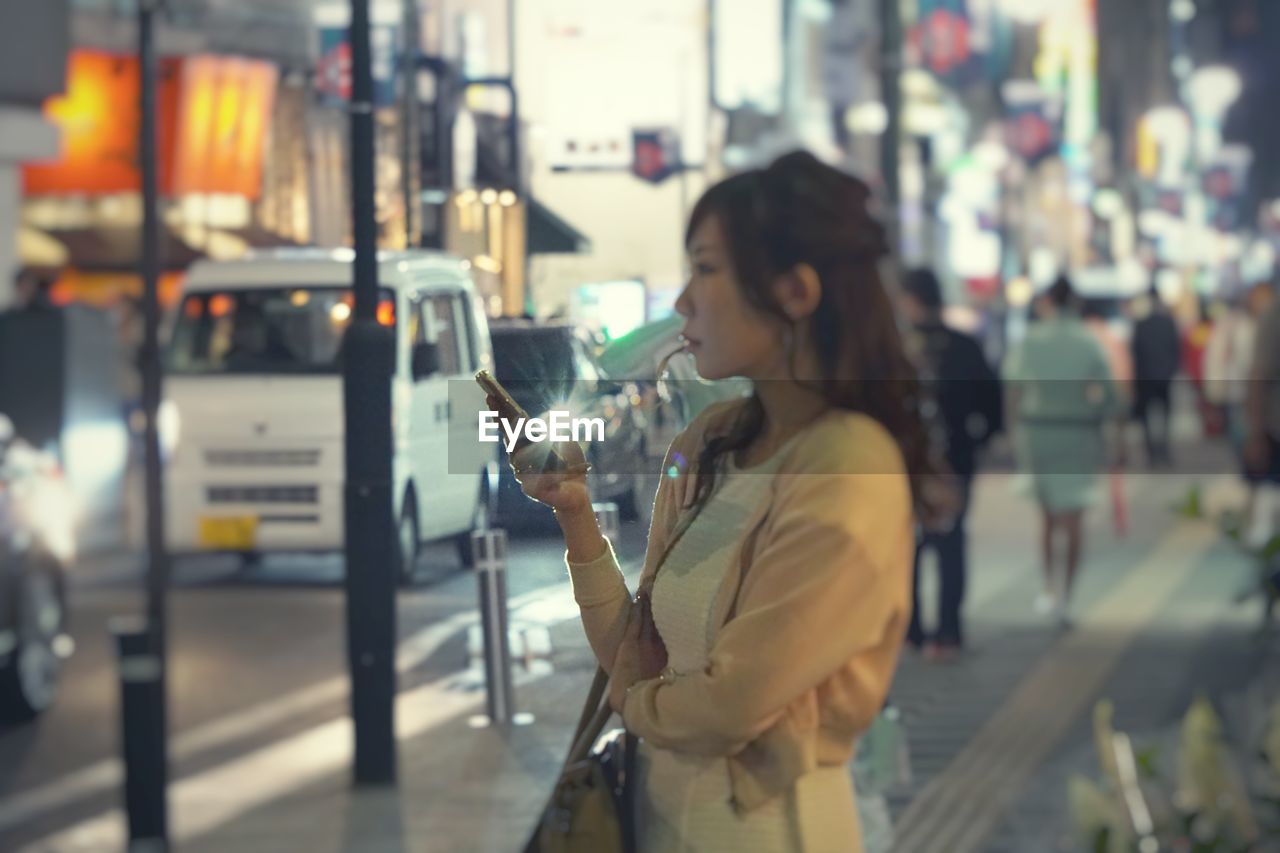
(1228, 361)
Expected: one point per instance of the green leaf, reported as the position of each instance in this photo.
(1148, 761)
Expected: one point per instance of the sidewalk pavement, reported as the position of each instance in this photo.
(992, 737)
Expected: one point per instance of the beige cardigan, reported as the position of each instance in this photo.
(823, 597)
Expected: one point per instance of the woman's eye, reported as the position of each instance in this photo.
(704, 269)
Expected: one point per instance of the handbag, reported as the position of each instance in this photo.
(592, 806)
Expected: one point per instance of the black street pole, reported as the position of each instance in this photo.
(158, 574)
(891, 38)
(368, 362)
(442, 133)
(409, 128)
(143, 667)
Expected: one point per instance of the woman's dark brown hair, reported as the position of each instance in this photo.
(801, 211)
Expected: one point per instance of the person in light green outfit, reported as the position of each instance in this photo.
(1061, 394)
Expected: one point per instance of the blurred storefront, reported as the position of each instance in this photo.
(216, 115)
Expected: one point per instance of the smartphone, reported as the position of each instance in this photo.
(510, 410)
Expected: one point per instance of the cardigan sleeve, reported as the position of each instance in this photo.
(599, 587)
(814, 600)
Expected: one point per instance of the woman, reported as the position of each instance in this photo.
(1061, 395)
(776, 587)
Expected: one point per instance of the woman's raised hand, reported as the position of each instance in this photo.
(552, 473)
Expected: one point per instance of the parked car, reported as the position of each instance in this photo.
(36, 530)
(552, 365)
(253, 420)
(648, 350)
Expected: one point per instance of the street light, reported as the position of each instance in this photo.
(1212, 90)
(1182, 11)
(1027, 11)
(1107, 204)
(1170, 129)
(870, 119)
(1166, 121)
(991, 155)
(921, 119)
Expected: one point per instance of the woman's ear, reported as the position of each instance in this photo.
(799, 291)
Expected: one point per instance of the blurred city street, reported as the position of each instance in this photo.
(920, 359)
(261, 741)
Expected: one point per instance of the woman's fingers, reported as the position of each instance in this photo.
(547, 479)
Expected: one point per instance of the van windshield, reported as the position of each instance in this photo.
(294, 330)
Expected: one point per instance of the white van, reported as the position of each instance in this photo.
(252, 420)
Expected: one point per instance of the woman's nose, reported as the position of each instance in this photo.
(684, 305)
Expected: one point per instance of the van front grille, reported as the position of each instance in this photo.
(263, 495)
(261, 458)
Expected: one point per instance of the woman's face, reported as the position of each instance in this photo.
(727, 335)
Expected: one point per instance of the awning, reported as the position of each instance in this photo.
(548, 234)
(111, 249)
(119, 249)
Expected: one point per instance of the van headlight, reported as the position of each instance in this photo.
(169, 427)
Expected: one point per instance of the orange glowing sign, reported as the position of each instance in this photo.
(214, 113)
(98, 121)
(225, 111)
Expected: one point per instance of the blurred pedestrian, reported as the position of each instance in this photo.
(1195, 343)
(1060, 396)
(774, 597)
(1157, 352)
(1228, 360)
(33, 290)
(966, 393)
(1229, 357)
(1262, 404)
(1120, 360)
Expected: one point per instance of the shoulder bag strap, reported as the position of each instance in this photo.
(591, 721)
(630, 814)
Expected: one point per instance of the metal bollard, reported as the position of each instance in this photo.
(489, 548)
(142, 723)
(608, 519)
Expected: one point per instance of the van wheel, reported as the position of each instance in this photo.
(29, 680)
(408, 542)
(481, 519)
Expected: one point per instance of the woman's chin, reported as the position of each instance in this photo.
(715, 369)
(706, 369)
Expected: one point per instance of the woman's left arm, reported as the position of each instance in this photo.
(831, 582)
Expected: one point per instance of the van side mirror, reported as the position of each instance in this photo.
(425, 361)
